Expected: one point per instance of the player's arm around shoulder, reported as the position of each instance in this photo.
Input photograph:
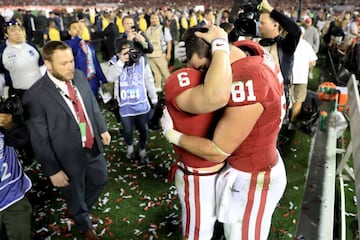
(218, 79)
(193, 101)
(213, 92)
(235, 126)
(185, 89)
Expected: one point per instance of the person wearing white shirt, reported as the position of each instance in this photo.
(20, 62)
(304, 59)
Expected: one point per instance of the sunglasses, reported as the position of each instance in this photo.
(12, 23)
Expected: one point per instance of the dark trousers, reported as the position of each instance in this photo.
(139, 122)
(172, 59)
(17, 220)
(84, 190)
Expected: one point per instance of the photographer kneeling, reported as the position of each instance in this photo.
(15, 208)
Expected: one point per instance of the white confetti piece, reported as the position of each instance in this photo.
(107, 210)
(43, 229)
(291, 205)
(102, 232)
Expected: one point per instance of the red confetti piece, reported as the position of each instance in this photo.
(108, 220)
(55, 228)
(153, 225)
(68, 235)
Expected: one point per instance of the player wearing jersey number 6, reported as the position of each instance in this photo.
(254, 179)
(192, 92)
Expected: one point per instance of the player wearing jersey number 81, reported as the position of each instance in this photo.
(253, 180)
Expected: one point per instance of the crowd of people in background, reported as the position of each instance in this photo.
(141, 47)
(102, 25)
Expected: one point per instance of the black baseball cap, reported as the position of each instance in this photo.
(121, 43)
(12, 22)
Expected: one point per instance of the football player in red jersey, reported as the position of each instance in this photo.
(254, 178)
(192, 96)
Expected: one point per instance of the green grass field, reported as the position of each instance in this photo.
(139, 202)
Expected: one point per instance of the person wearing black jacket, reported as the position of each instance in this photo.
(110, 33)
(280, 36)
(41, 25)
(134, 35)
(2, 34)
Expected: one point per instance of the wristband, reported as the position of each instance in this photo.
(173, 136)
(220, 44)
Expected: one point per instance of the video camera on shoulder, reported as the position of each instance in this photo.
(245, 23)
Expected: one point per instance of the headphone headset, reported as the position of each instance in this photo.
(269, 41)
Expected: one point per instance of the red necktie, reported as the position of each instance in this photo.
(80, 113)
(85, 50)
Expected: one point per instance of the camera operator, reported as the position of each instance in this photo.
(279, 36)
(15, 208)
(133, 83)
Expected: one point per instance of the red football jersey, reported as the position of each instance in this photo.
(187, 123)
(254, 82)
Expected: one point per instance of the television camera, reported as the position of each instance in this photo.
(245, 21)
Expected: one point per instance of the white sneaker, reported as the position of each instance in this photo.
(143, 156)
(130, 152)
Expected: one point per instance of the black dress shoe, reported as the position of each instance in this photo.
(90, 234)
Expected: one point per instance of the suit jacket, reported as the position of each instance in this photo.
(54, 132)
(80, 58)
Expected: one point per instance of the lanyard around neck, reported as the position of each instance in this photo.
(74, 102)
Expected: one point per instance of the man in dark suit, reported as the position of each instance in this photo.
(67, 131)
(85, 57)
